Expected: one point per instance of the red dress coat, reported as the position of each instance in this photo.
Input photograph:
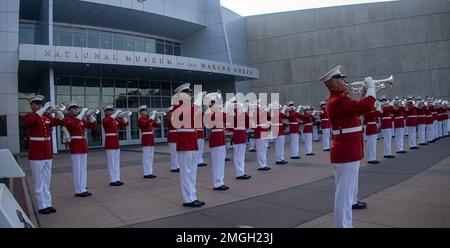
(294, 119)
(411, 116)
(399, 118)
(278, 126)
(111, 126)
(325, 121)
(146, 126)
(345, 113)
(172, 135)
(262, 124)
(77, 127)
(420, 116)
(217, 135)
(370, 120)
(308, 121)
(200, 131)
(241, 123)
(428, 115)
(186, 136)
(39, 127)
(386, 118)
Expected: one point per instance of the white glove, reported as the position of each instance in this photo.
(116, 113)
(59, 115)
(125, 119)
(81, 115)
(378, 107)
(157, 119)
(92, 118)
(369, 85)
(41, 111)
(66, 135)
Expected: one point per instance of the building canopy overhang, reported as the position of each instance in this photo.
(137, 61)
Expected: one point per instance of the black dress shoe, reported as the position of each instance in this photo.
(414, 148)
(252, 150)
(359, 205)
(326, 150)
(423, 144)
(281, 162)
(310, 154)
(431, 141)
(194, 204)
(51, 209)
(389, 156)
(149, 176)
(202, 165)
(244, 177)
(223, 187)
(264, 169)
(402, 152)
(82, 194)
(88, 194)
(44, 211)
(227, 159)
(202, 203)
(115, 184)
(296, 157)
(121, 183)
(176, 170)
(373, 162)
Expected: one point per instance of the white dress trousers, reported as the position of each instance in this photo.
(412, 140)
(188, 175)
(251, 144)
(372, 147)
(399, 136)
(113, 164)
(294, 144)
(239, 159)
(174, 161)
(261, 152)
(79, 172)
(279, 148)
(440, 124)
(326, 138)
(308, 142)
(148, 153)
(421, 133)
(42, 175)
(218, 165)
(346, 182)
(201, 145)
(429, 132)
(435, 129)
(387, 141)
(446, 127)
(315, 133)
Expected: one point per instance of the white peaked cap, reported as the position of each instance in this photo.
(183, 87)
(322, 103)
(142, 107)
(34, 98)
(108, 107)
(290, 103)
(72, 104)
(334, 72)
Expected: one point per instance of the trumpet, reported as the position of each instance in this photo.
(92, 112)
(357, 87)
(125, 114)
(60, 107)
(156, 113)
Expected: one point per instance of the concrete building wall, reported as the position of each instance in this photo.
(409, 39)
(9, 64)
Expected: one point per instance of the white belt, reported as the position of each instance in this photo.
(385, 118)
(412, 116)
(371, 123)
(421, 116)
(293, 123)
(347, 130)
(172, 131)
(434, 113)
(199, 129)
(308, 124)
(325, 119)
(39, 138)
(277, 124)
(216, 130)
(147, 133)
(186, 130)
(77, 137)
(240, 129)
(111, 134)
(429, 116)
(401, 117)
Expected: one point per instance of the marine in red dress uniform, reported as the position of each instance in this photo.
(172, 141)
(386, 127)
(294, 117)
(326, 127)
(38, 124)
(370, 120)
(308, 122)
(278, 117)
(239, 129)
(399, 125)
(411, 122)
(147, 124)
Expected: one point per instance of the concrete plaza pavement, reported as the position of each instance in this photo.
(410, 191)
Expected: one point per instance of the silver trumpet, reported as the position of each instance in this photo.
(92, 112)
(156, 113)
(60, 107)
(125, 114)
(357, 87)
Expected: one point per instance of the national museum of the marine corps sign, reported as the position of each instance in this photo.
(30, 52)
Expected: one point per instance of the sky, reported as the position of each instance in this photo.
(257, 7)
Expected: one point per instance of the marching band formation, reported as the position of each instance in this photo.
(344, 124)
